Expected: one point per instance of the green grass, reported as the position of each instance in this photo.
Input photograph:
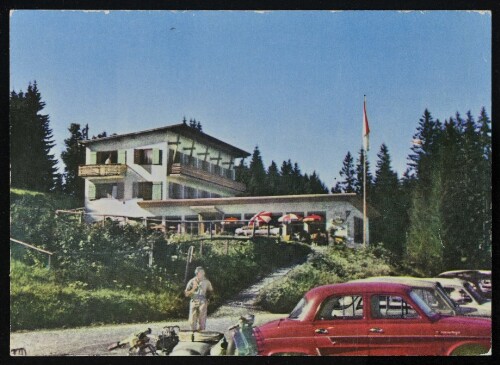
(50, 200)
(85, 287)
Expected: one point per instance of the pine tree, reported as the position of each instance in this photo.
(73, 156)
(298, 183)
(358, 186)
(257, 178)
(347, 172)
(286, 171)
(386, 197)
(425, 145)
(32, 164)
(242, 174)
(273, 179)
(314, 185)
(484, 185)
(425, 246)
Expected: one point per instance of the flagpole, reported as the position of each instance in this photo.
(364, 187)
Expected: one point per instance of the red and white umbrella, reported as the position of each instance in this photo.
(287, 218)
(262, 217)
(313, 218)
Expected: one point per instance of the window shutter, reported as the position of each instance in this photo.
(157, 188)
(156, 156)
(93, 158)
(122, 156)
(137, 156)
(91, 194)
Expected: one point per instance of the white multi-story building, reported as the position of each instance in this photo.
(179, 173)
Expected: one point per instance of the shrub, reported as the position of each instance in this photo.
(337, 264)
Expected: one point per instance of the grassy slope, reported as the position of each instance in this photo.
(41, 299)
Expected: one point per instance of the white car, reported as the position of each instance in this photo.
(259, 231)
(464, 294)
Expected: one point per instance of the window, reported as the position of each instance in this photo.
(390, 306)
(358, 230)
(106, 157)
(341, 307)
(216, 169)
(299, 309)
(205, 166)
(203, 194)
(149, 156)
(174, 191)
(143, 189)
(189, 192)
(114, 190)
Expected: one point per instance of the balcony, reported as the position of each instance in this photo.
(189, 171)
(110, 170)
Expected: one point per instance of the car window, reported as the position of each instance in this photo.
(299, 309)
(434, 300)
(469, 289)
(391, 306)
(341, 307)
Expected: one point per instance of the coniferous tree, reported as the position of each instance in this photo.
(73, 156)
(385, 198)
(242, 174)
(286, 171)
(485, 176)
(450, 207)
(425, 146)
(347, 173)
(314, 185)
(358, 185)
(32, 164)
(273, 179)
(257, 180)
(424, 247)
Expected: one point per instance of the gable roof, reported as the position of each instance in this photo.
(184, 130)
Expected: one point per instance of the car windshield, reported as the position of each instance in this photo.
(430, 301)
(473, 293)
(299, 309)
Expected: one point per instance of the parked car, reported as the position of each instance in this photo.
(463, 293)
(371, 318)
(259, 231)
(481, 279)
(431, 291)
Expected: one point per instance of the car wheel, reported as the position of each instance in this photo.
(469, 350)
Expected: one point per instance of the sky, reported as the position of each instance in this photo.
(289, 82)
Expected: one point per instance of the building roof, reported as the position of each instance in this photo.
(182, 129)
(352, 198)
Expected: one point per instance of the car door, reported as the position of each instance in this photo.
(340, 326)
(395, 327)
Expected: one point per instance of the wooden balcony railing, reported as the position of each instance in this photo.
(102, 170)
(185, 170)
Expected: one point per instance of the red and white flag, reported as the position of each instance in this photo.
(366, 129)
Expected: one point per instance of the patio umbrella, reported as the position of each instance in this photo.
(262, 217)
(313, 218)
(230, 220)
(287, 218)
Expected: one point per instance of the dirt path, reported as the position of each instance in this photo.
(93, 341)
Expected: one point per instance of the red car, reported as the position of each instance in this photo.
(371, 318)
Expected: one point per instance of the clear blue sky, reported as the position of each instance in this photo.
(290, 82)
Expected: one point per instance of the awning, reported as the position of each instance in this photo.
(200, 209)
